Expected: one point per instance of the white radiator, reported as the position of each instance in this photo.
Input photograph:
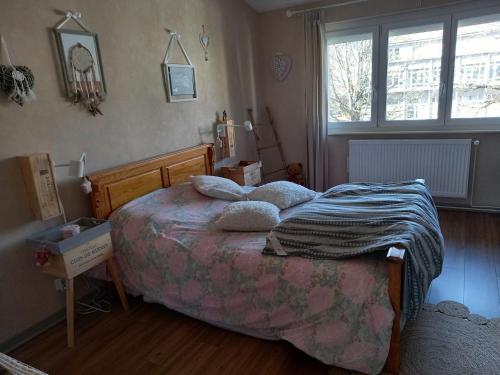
(443, 163)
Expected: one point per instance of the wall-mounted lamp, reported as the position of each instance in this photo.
(247, 125)
(76, 167)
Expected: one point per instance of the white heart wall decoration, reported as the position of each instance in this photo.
(280, 66)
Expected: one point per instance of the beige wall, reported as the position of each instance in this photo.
(137, 121)
(277, 33)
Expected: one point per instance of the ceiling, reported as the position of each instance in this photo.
(267, 5)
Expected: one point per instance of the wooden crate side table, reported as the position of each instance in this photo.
(246, 173)
(73, 256)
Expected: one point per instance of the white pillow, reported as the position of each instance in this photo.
(218, 187)
(283, 194)
(249, 216)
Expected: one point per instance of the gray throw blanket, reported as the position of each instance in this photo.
(353, 219)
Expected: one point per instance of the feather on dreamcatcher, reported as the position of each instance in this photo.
(85, 84)
(16, 81)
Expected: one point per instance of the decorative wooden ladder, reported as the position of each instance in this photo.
(276, 144)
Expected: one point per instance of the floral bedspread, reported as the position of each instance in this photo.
(168, 251)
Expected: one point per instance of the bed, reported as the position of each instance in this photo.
(344, 313)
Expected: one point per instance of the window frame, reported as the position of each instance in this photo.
(444, 123)
(465, 121)
(384, 62)
(375, 31)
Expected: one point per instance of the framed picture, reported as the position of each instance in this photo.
(88, 54)
(180, 82)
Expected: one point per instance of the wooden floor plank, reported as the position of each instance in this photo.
(452, 224)
(448, 286)
(498, 285)
(494, 243)
(472, 244)
(429, 292)
(151, 339)
(481, 287)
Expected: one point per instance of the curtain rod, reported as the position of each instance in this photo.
(291, 13)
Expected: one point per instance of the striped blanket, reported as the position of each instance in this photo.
(353, 219)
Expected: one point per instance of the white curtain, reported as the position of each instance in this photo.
(317, 127)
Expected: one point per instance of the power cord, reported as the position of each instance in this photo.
(95, 306)
(98, 302)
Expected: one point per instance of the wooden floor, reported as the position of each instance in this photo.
(471, 273)
(150, 339)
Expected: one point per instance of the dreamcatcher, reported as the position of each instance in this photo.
(85, 87)
(81, 63)
(16, 81)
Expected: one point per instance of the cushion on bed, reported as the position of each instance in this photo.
(283, 194)
(218, 187)
(249, 216)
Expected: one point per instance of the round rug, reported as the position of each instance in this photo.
(446, 339)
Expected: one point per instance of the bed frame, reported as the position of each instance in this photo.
(114, 187)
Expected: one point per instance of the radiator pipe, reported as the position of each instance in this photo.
(476, 144)
(472, 207)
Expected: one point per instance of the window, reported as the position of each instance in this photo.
(495, 69)
(396, 77)
(476, 91)
(423, 46)
(411, 112)
(436, 73)
(350, 73)
(472, 72)
(425, 70)
(419, 77)
(394, 53)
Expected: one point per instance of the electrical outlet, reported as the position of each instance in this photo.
(59, 285)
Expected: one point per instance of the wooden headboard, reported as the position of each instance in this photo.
(114, 187)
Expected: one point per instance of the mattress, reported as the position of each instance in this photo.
(168, 251)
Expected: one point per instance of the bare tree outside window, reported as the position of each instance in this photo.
(350, 79)
(417, 86)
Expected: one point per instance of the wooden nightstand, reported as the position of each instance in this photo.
(75, 255)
